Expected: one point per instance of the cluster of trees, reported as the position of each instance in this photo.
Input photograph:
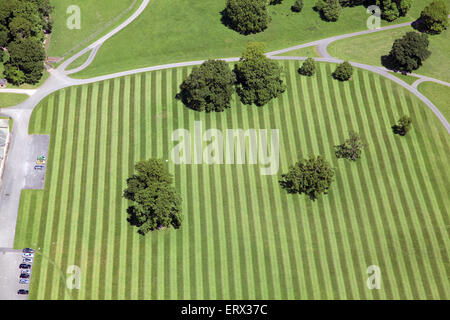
(314, 176)
(23, 24)
(210, 87)
(156, 202)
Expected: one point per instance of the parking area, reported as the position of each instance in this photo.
(37, 163)
(10, 260)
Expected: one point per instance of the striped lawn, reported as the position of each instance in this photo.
(242, 236)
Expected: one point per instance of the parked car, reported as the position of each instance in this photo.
(28, 250)
(24, 266)
(41, 158)
(38, 167)
(27, 271)
(22, 291)
(24, 281)
(27, 260)
(28, 255)
(24, 276)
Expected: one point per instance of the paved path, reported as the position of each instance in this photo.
(29, 92)
(16, 166)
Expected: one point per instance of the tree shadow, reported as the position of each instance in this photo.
(418, 25)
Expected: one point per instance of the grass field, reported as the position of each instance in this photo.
(11, 99)
(370, 48)
(172, 32)
(242, 236)
(304, 52)
(95, 16)
(439, 95)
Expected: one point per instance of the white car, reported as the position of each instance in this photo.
(27, 260)
(27, 271)
(28, 255)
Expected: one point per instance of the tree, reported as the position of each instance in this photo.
(28, 55)
(330, 10)
(403, 126)
(247, 16)
(274, 2)
(258, 77)
(351, 3)
(3, 36)
(343, 72)
(156, 203)
(352, 148)
(297, 6)
(208, 87)
(311, 176)
(392, 9)
(308, 68)
(408, 52)
(14, 75)
(434, 18)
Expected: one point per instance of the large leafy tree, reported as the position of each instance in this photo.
(434, 17)
(208, 87)
(258, 77)
(352, 147)
(247, 16)
(392, 9)
(408, 52)
(28, 55)
(312, 177)
(156, 203)
(330, 10)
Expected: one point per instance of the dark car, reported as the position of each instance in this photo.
(24, 266)
(38, 167)
(24, 276)
(22, 291)
(27, 250)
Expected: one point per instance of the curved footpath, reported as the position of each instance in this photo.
(14, 179)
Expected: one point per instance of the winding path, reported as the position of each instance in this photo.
(16, 166)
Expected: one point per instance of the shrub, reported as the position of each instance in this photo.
(297, 6)
(343, 72)
(308, 68)
(403, 126)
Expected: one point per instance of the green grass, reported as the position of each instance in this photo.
(79, 62)
(371, 47)
(242, 236)
(11, 99)
(95, 16)
(439, 95)
(304, 52)
(185, 30)
(407, 78)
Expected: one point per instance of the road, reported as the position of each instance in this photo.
(17, 164)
